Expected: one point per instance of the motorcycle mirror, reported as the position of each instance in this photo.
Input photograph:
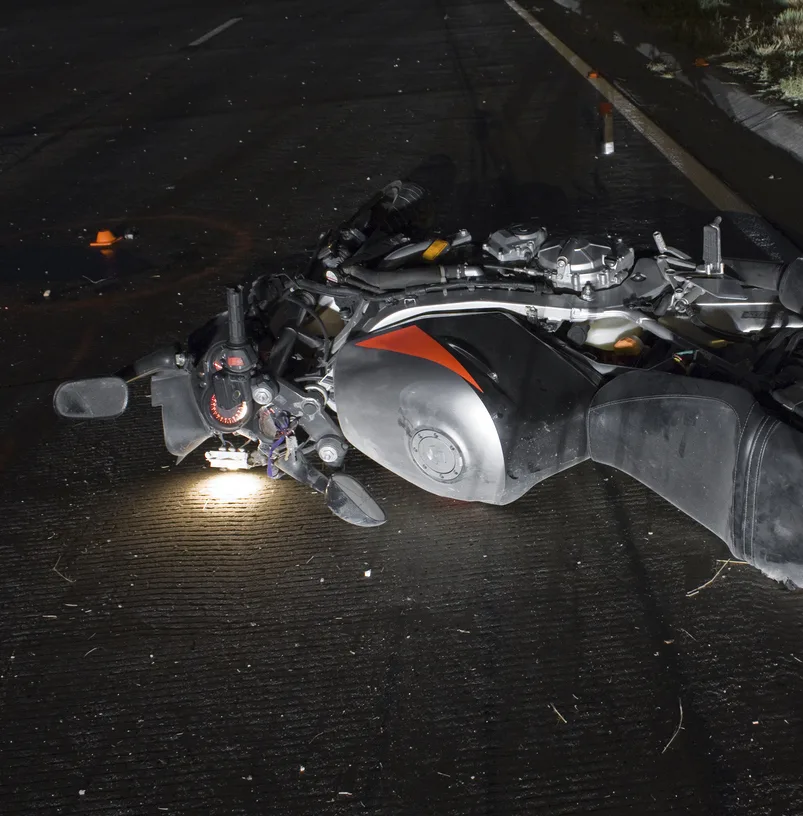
(98, 398)
(349, 500)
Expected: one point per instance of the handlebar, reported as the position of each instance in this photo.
(234, 300)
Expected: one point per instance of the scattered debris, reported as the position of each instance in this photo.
(90, 651)
(46, 293)
(709, 581)
(677, 730)
(105, 238)
(367, 573)
(61, 574)
(562, 718)
(689, 634)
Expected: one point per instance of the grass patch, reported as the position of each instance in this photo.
(760, 38)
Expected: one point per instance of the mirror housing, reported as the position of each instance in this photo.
(97, 398)
(349, 500)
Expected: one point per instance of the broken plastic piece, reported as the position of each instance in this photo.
(105, 238)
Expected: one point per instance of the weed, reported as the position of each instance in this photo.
(758, 38)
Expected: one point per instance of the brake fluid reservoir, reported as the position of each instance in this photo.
(605, 332)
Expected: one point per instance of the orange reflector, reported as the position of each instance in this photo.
(627, 344)
(605, 108)
(593, 75)
(435, 249)
(105, 238)
(700, 62)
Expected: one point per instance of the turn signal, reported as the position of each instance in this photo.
(435, 249)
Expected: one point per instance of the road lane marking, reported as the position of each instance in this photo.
(716, 191)
(214, 32)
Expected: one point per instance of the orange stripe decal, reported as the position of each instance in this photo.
(415, 342)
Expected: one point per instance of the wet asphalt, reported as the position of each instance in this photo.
(168, 648)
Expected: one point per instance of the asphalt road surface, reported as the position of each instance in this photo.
(165, 648)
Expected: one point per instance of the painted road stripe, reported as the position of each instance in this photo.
(718, 193)
(215, 31)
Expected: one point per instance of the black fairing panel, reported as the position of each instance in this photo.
(525, 424)
(184, 427)
(711, 450)
(537, 396)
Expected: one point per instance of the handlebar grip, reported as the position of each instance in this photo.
(761, 274)
(234, 299)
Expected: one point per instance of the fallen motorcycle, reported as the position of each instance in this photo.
(477, 370)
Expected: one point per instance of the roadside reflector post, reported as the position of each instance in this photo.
(606, 111)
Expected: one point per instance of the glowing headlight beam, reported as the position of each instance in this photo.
(232, 486)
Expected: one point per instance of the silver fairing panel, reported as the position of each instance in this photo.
(428, 424)
(385, 399)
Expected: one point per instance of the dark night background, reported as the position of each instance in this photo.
(163, 650)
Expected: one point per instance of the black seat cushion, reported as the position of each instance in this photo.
(677, 435)
(711, 450)
(768, 523)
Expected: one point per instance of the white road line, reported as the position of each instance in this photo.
(215, 31)
(718, 193)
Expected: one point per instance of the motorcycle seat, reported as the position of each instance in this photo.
(713, 451)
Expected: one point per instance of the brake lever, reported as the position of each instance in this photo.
(668, 252)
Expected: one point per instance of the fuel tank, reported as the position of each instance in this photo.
(476, 407)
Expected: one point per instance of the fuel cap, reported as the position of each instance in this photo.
(437, 455)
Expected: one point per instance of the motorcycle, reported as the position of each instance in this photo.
(476, 370)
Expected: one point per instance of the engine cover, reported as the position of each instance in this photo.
(473, 407)
(517, 244)
(584, 266)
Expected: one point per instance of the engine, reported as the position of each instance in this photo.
(584, 267)
(574, 264)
